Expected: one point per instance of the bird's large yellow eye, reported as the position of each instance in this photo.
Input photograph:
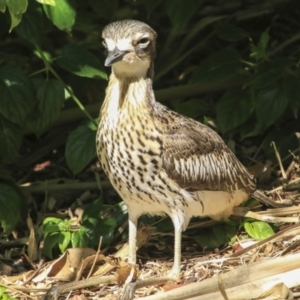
(143, 42)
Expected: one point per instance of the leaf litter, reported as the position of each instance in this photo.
(242, 269)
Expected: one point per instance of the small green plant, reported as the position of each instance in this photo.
(65, 233)
(4, 295)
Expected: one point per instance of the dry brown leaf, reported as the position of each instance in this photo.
(23, 276)
(88, 261)
(32, 243)
(268, 249)
(65, 267)
(127, 274)
(78, 297)
(142, 236)
(278, 291)
(52, 269)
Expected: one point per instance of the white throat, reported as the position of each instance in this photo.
(137, 68)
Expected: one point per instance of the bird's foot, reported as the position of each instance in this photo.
(130, 288)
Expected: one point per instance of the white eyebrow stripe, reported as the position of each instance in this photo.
(121, 44)
(111, 45)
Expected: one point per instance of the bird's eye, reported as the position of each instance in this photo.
(104, 44)
(143, 42)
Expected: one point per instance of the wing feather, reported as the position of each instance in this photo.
(195, 157)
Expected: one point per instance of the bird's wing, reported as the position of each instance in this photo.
(195, 157)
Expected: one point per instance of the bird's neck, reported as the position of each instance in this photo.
(134, 94)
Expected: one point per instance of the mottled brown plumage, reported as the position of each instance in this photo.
(158, 161)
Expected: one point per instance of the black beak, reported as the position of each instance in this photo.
(114, 56)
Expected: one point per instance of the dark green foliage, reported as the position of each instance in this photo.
(219, 66)
(81, 148)
(50, 100)
(51, 55)
(81, 62)
(12, 203)
(216, 236)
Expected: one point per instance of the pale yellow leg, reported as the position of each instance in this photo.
(132, 224)
(173, 275)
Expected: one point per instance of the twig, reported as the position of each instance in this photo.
(95, 260)
(279, 188)
(279, 160)
(44, 186)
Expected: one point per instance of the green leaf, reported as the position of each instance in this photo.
(92, 210)
(50, 242)
(215, 237)
(52, 220)
(47, 2)
(233, 109)
(192, 108)
(2, 6)
(2, 290)
(52, 225)
(268, 73)
(16, 9)
(80, 148)
(230, 32)
(63, 14)
(260, 51)
(80, 239)
(104, 8)
(95, 228)
(11, 137)
(180, 11)
(219, 66)
(258, 230)
(31, 27)
(50, 97)
(270, 104)
(81, 62)
(11, 203)
(292, 91)
(16, 94)
(64, 240)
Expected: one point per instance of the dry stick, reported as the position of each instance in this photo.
(56, 291)
(245, 212)
(22, 290)
(292, 153)
(290, 231)
(42, 187)
(279, 161)
(261, 197)
(247, 280)
(279, 188)
(95, 260)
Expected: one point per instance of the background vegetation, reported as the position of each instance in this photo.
(230, 64)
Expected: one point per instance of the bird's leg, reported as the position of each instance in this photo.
(175, 272)
(173, 275)
(132, 239)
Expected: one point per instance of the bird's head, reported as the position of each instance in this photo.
(130, 48)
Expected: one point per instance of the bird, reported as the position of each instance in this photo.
(159, 161)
